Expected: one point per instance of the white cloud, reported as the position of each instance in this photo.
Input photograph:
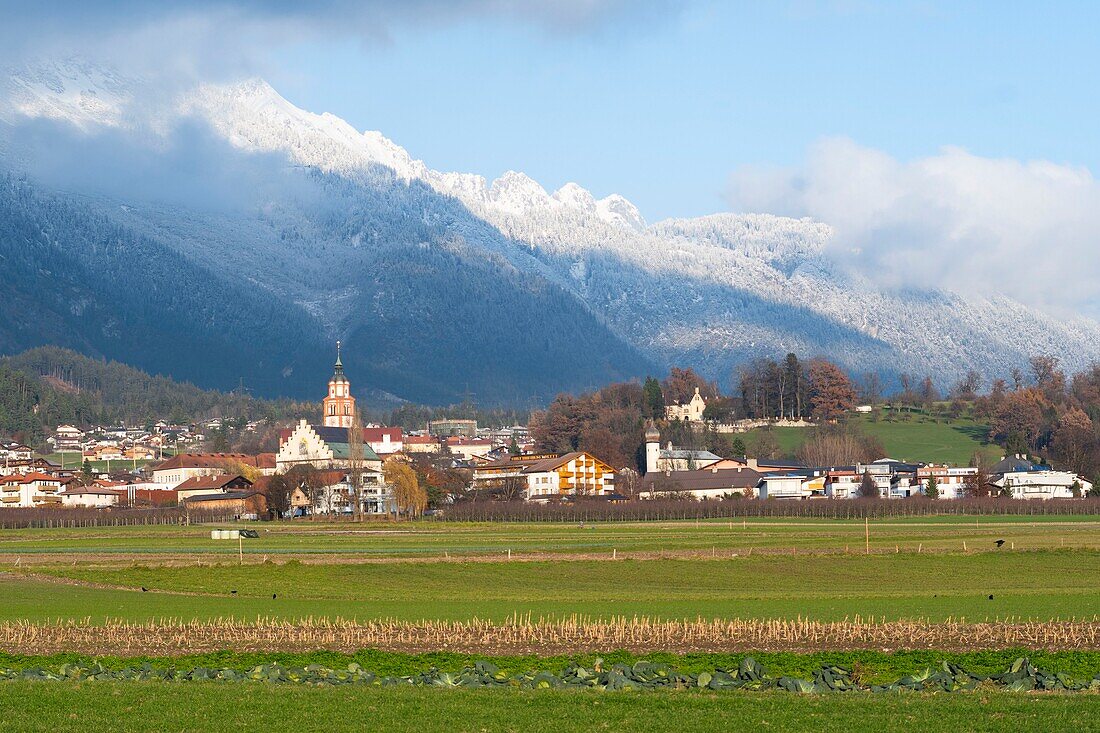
(208, 39)
(1029, 230)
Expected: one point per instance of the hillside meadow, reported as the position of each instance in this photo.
(906, 436)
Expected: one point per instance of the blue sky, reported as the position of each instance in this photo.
(664, 108)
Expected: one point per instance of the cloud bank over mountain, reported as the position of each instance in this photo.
(180, 42)
(1029, 230)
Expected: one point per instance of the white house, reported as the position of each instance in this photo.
(384, 441)
(797, 486)
(92, 497)
(1042, 484)
(30, 490)
(951, 481)
(1026, 480)
(572, 474)
(691, 412)
(67, 438)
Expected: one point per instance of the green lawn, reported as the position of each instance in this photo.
(94, 707)
(909, 437)
(107, 545)
(1039, 584)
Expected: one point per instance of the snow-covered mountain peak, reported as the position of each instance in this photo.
(617, 210)
(82, 94)
(576, 196)
(518, 193)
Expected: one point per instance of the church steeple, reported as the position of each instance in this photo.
(338, 372)
(338, 407)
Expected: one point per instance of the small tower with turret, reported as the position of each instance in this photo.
(652, 448)
(339, 406)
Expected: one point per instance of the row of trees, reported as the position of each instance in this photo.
(794, 390)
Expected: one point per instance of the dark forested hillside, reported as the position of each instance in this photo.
(48, 386)
(70, 277)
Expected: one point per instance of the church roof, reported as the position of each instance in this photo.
(337, 441)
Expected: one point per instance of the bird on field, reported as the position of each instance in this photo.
(144, 589)
(273, 596)
(233, 592)
(999, 543)
(991, 596)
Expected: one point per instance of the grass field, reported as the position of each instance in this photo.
(92, 707)
(1045, 584)
(427, 539)
(1048, 568)
(909, 437)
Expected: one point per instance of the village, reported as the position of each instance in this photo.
(337, 467)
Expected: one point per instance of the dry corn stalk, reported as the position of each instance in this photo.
(523, 634)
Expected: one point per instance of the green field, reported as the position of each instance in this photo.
(909, 437)
(1048, 568)
(92, 707)
(436, 540)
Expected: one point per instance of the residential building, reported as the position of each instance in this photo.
(843, 483)
(468, 448)
(218, 484)
(690, 412)
(335, 495)
(797, 486)
(11, 451)
(706, 483)
(246, 504)
(179, 468)
(10, 467)
(545, 477)
(421, 444)
(31, 490)
(951, 481)
(573, 474)
(90, 497)
(1023, 479)
(384, 441)
(67, 438)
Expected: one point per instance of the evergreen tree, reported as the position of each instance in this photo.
(867, 487)
(653, 399)
(932, 490)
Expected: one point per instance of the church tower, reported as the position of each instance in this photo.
(339, 406)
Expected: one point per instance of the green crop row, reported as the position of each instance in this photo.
(1021, 676)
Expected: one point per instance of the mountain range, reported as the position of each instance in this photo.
(224, 236)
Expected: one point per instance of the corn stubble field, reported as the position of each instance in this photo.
(536, 598)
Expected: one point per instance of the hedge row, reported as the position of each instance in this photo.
(594, 510)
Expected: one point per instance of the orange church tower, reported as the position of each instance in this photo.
(339, 405)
